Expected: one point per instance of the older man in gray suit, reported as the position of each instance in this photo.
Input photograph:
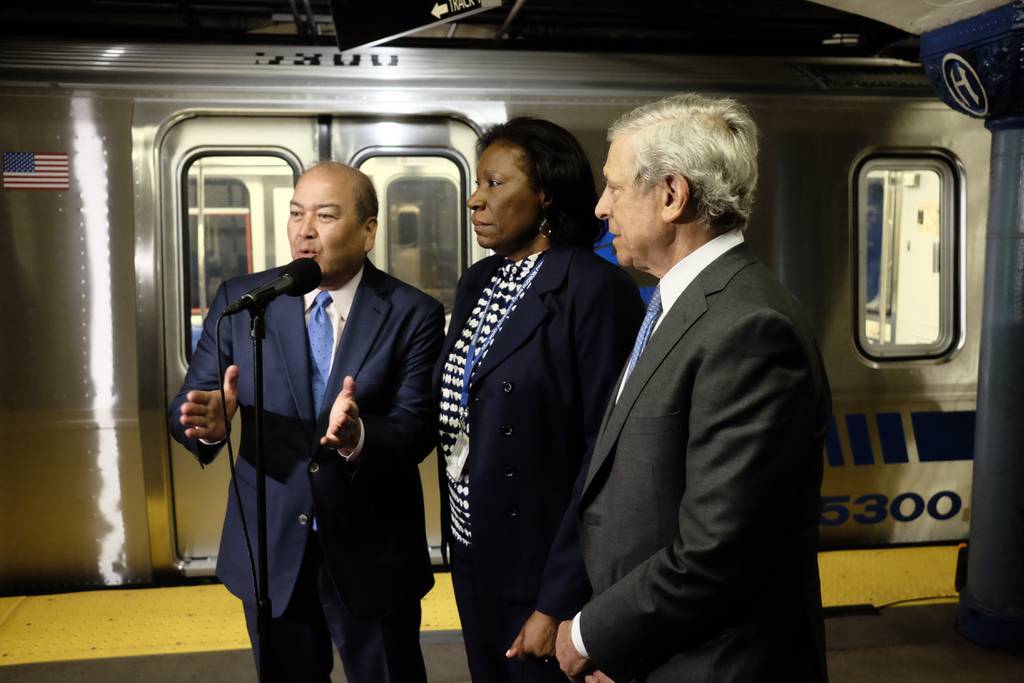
(699, 515)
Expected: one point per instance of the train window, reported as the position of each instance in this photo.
(907, 247)
(420, 219)
(236, 209)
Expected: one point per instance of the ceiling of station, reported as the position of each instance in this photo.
(916, 16)
(766, 27)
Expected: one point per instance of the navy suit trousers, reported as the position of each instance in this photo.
(372, 650)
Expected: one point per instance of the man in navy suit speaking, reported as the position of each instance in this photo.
(349, 415)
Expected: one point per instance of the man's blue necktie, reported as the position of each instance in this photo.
(321, 347)
(653, 313)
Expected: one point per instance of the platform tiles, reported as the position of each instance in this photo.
(205, 618)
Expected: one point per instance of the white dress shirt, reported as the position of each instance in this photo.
(679, 277)
(672, 285)
(341, 305)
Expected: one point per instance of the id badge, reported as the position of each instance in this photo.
(460, 453)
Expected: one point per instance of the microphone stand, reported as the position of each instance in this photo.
(257, 332)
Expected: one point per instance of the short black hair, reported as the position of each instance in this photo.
(365, 197)
(554, 163)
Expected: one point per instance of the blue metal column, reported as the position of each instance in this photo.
(992, 605)
(977, 67)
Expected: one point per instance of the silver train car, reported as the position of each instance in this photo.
(136, 178)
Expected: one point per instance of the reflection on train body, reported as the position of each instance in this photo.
(182, 165)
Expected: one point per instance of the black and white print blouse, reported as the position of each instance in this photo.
(505, 285)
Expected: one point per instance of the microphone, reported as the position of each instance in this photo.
(295, 279)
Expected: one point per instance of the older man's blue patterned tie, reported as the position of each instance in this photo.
(321, 347)
(653, 313)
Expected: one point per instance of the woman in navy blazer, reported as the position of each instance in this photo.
(543, 329)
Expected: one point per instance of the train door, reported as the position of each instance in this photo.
(226, 183)
(422, 176)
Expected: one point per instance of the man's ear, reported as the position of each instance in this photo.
(675, 199)
(371, 233)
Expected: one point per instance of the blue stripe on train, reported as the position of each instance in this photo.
(860, 442)
(944, 436)
(833, 449)
(940, 437)
(890, 434)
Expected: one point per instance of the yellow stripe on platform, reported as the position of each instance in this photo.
(126, 623)
(7, 606)
(155, 621)
(439, 610)
(122, 623)
(890, 575)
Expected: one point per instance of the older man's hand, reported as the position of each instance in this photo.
(573, 664)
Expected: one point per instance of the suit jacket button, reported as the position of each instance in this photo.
(509, 471)
(314, 467)
(513, 512)
(303, 519)
(506, 386)
(506, 430)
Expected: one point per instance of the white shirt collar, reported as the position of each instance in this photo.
(342, 297)
(682, 275)
(679, 277)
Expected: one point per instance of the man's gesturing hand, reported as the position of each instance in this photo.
(343, 430)
(202, 412)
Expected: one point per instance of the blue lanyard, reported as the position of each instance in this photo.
(471, 353)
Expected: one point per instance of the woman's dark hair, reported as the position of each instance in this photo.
(555, 164)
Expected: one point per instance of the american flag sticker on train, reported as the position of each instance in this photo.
(35, 171)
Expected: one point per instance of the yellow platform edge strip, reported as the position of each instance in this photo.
(7, 607)
(886, 576)
(154, 621)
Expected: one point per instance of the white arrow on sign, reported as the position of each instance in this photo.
(440, 9)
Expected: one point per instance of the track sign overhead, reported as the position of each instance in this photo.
(358, 23)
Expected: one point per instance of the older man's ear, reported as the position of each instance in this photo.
(676, 205)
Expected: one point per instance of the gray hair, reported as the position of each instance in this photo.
(711, 142)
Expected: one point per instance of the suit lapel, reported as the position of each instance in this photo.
(529, 312)
(683, 314)
(611, 405)
(370, 308)
(286, 326)
(687, 309)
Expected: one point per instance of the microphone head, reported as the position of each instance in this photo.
(305, 274)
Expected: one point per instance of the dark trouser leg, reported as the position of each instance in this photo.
(381, 650)
(480, 632)
(300, 640)
(489, 626)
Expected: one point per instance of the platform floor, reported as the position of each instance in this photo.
(891, 618)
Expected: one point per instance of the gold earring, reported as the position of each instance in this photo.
(544, 228)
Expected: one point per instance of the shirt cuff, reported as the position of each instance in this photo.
(352, 455)
(577, 636)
